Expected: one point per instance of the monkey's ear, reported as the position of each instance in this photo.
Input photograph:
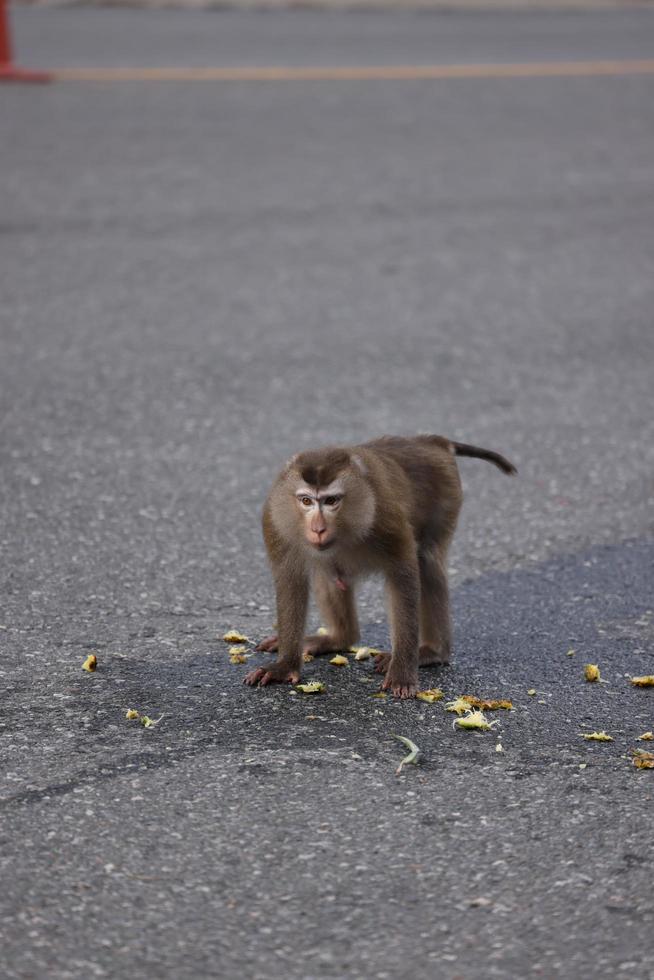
(360, 465)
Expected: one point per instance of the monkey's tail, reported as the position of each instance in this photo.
(502, 463)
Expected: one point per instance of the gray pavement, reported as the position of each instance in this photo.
(80, 36)
(199, 279)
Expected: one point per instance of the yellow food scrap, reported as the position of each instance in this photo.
(646, 681)
(459, 706)
(474, 719)
(321, 631)
(149, 722)
(238, 658)
(591, 672)
(642, 759)
(597, 737)
(131, 714)
(339, 660)
(571, 653)
(431, 694)
(483, 705)
(499, 747)
(91, 663)
(307, 657)
(414, 753)
(361, 653)
(313, 687)
(240, 648)
(379, 694)
(233, 636)
(646, 737)
(531, 692)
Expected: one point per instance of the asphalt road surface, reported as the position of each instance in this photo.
(199, 278)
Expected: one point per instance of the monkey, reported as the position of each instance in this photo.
(337, 514)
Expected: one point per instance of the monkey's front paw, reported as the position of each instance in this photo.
(275, 674)
(382, 660)
(401, 685)
(268, 645)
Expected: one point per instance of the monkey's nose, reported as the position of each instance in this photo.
(318, 536)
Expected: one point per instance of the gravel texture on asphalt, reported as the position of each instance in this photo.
(199, 280)
(264, 833)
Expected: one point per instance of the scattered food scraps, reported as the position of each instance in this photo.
(313, 687)
(238, 658)
(571, 653)
(240, 648)
(596, 737)
(499, 747)
(379, 694)
(646, 737)
(591, 672)
(474, 719)
(233, 636)
(642, 759)
(321, 631)
(646, 681)
(459, 706)
(531, 692)
(91, 663)
(361, 653)
(483, 705)
(414, 753)
(430, 695)
(131, 714)
(307, 657)
(339, 660)
(149, 722)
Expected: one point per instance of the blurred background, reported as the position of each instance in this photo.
(202, 275)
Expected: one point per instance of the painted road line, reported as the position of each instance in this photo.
(535, 69)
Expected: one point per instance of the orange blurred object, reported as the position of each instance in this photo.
(9, 72)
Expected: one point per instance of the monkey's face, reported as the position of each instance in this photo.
(319, 509)
(335, 514)
(323, 501)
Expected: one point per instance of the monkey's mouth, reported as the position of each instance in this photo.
(323, 545)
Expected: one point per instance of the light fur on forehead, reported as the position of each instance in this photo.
(360, 465)
(335, 489)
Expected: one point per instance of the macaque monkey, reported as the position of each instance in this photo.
(337, 514)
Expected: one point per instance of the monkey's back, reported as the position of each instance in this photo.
(432, 481)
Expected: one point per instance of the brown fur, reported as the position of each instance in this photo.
(400, 503)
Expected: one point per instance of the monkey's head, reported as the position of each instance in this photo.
(329, 496)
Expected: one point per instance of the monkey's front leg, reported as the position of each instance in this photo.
(292, 588)
(403, 583)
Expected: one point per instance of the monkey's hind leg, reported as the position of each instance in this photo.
(270, 644)
(338, 611)
(435, 624)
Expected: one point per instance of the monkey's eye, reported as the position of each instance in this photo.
(306, 501)
(332, 501)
